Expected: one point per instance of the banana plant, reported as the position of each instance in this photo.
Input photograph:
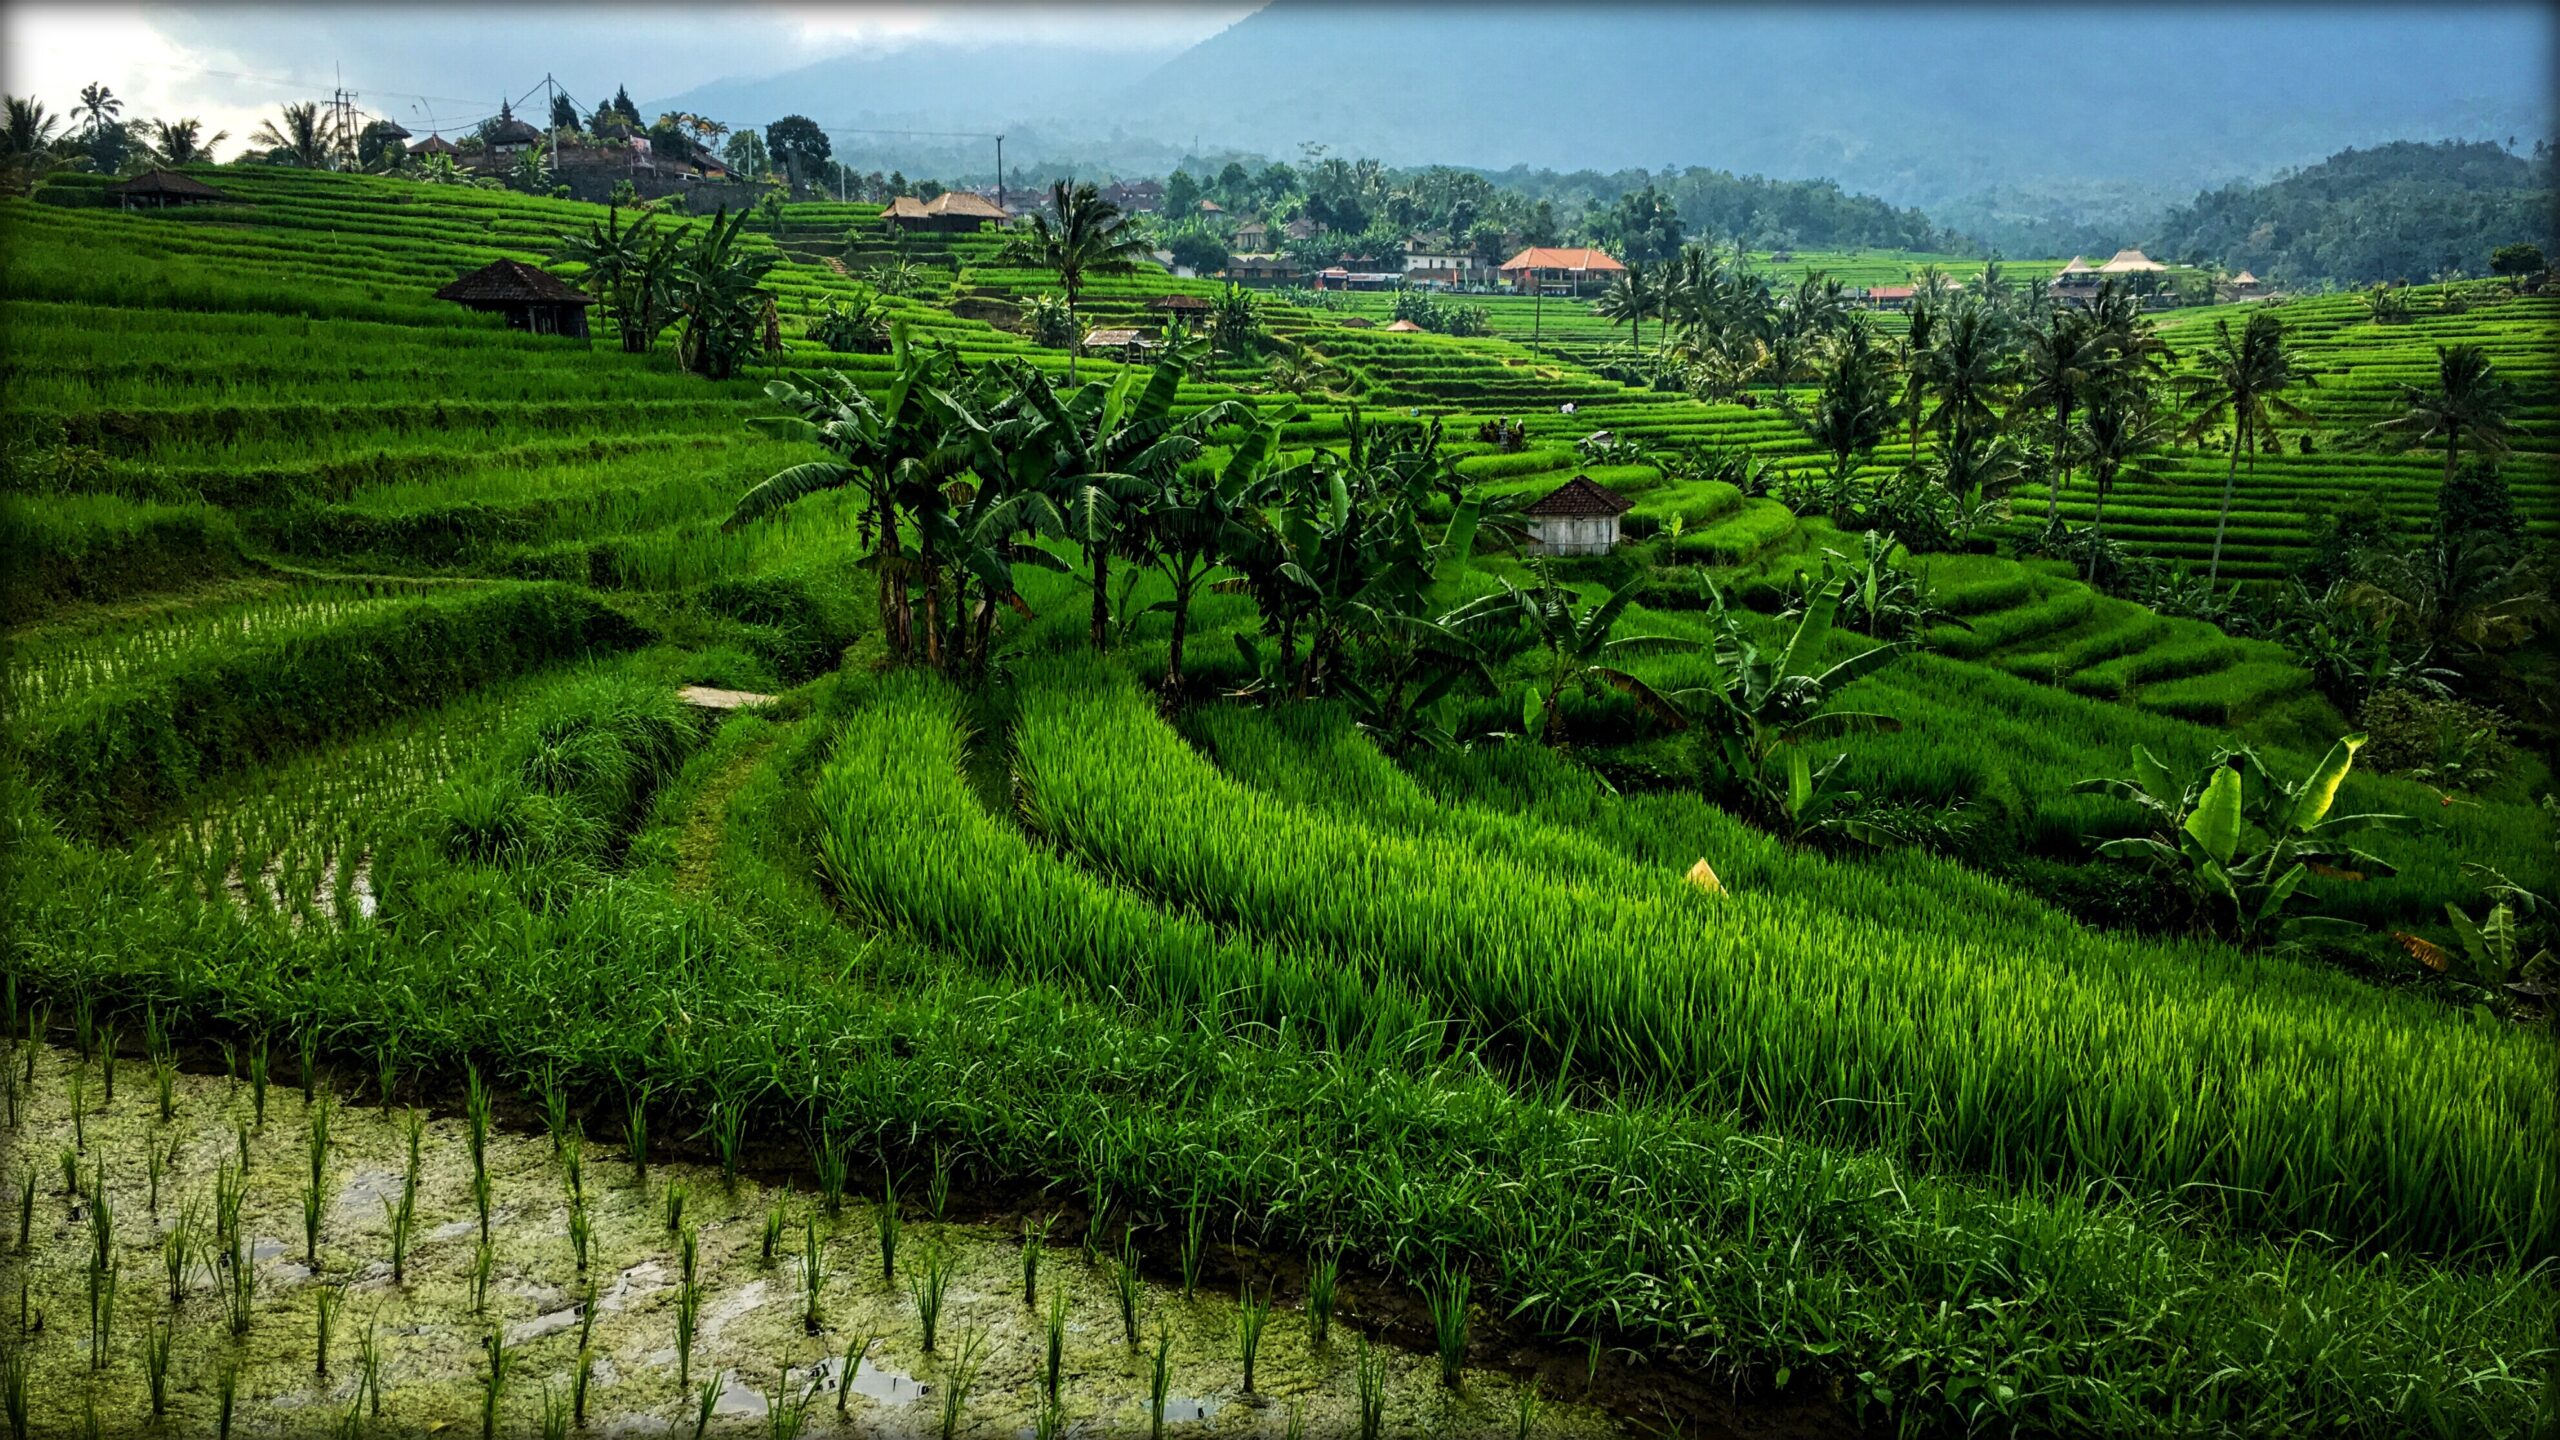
(1760, 711)
(2241, 842)
(1578, 649)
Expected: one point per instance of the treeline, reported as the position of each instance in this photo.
(1762, 213)
(2404, 211)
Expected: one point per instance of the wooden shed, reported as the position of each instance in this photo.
(531, 299)
(1181, 304)
(153, 189)
(1579, 517)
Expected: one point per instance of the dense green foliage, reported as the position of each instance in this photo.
(2399, 212)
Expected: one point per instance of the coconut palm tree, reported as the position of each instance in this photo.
(2243, 387)
(303, 135)
(1628, 300)
(1089, 237)
(182, 142)
(2121, 426)
(2468, 404)
(98, 108)
(1965, 372)
(26, 145)
(2061, 360)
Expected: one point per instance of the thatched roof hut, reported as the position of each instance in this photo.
(530, 298)
(154, 188)
(435, 145)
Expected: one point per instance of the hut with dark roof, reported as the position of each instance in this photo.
(154, 188)
(1579, 517)
(435, 145)
(531, 299)
(1181, 304)
(510, 134)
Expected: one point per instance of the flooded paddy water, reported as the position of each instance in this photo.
(91, 1332)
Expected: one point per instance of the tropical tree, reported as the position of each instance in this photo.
(1964, 373)
(1854, 409)
(1235, 321)
(1629, 299)
(2386, 304)
(897, 452)
(720, 301)
(632, 269)
(2239, 842)
(26, 145)
(2468, 404)
(2122, 425)
(1579, 647)
(1102, 454)
(98, 108)
(1046, 319)
(301, 132)
(1759, 713)
(1089, 237)
(1193, 519)
(182, 142)
(861, 329)
(2242, 386)
(2060, 362)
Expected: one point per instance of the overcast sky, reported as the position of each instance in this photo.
(447, 65)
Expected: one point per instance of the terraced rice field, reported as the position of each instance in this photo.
(345, 755)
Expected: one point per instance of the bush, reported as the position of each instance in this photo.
(2436, 739)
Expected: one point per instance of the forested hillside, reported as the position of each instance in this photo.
(2396, 212)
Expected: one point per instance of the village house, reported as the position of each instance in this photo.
(1889, 297)
(435, 145)
(1190, 307)
(1252, 235)
(1343, 277)
(2245, 286)
(2075, 284)
(1579, 517)
(1560, 270)
(1122, 343)
(1262, 270)
(1301, 228)
(1432, 259)
(531, 299)
(2131, 262)
(1136, 197)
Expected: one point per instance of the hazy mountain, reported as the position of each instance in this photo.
(2062, 113)
(2036, 129)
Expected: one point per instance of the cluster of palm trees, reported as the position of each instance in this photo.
(35, 143)
(707, 282)
(965, 475)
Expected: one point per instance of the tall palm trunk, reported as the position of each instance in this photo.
(2061, 476)
(1075, 330)
(2104, 479)
(2230, 479)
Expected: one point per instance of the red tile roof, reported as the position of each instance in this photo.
(1581, 495)
(1889, 292)
(1555, 257)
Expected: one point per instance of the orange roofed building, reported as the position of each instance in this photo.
(1560, 270)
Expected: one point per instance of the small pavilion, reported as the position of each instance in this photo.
(533, 300)
(154, 189)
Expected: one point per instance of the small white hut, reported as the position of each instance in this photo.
(1579, 517)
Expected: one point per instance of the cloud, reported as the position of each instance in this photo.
(447, 66)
